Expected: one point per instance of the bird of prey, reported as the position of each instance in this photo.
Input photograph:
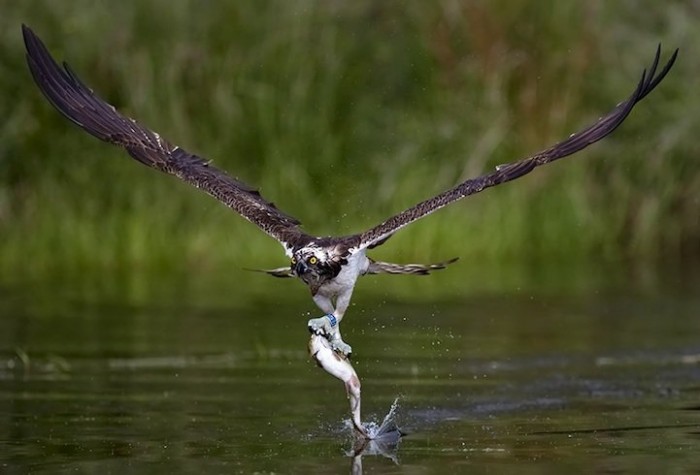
(329, 266)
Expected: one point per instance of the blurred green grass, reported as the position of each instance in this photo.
(344, 113)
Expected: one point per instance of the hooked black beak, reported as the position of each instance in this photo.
(300, 268)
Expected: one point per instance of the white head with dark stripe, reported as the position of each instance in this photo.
(315, 265)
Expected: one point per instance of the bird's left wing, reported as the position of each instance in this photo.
(83, 107)
(504, 173)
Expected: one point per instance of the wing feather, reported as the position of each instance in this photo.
(77, 102)
(379, 267)
(507, 172)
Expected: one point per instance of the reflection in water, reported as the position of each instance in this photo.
(383, 440)
(593, 382)
(386, 446)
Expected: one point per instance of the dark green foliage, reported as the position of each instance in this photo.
(346, 112)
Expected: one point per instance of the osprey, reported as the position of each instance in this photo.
(329, 266)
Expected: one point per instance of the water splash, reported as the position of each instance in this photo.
(387, 429)
(382, 439)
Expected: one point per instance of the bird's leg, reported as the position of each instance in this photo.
(329, 324)
(326, 325)
(341, 305)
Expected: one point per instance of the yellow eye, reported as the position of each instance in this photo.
(294, 260)
(313, 260)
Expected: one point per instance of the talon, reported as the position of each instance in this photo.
(341, 347)
(323, 326)
(320, 326)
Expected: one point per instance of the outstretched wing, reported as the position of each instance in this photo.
(503, 173)
(281, 272)
(84, 108)
(379, 267)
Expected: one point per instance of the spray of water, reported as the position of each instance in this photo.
(388, 428)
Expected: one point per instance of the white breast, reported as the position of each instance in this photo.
(346, 278)
(356, 266)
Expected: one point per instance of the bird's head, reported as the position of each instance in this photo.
(314, 266)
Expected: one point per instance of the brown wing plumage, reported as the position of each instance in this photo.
(84, 108)
(281, 272)
(379, 267)
(503, 173)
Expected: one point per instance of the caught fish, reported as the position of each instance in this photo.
(339, 366)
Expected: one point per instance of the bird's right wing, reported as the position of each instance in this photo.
(83, 107)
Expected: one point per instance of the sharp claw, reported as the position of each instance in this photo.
(323, 326)
(341, 347)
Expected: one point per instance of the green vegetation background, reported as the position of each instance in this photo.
(344, 113)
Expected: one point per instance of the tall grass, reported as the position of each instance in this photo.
(346, 112)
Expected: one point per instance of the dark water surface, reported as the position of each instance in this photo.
(215, 381)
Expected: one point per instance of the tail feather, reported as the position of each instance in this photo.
(378, 267)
